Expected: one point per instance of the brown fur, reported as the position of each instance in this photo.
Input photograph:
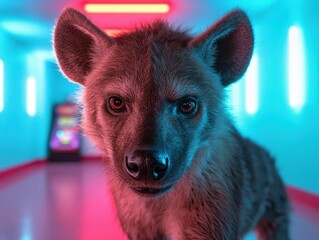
(222, 185)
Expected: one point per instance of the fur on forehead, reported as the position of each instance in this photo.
(147, 52)
(158, 31)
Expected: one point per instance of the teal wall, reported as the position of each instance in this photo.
(23, 138)
(291, 136)
(18, 132)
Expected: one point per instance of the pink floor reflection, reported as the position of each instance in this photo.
(71, 202)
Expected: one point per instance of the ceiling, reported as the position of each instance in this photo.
(34, 19)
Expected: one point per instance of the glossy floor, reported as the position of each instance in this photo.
(71, 202)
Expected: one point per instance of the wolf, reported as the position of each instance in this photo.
(154, 104)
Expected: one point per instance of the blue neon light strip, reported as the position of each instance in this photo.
(31, 96)
(252, 87)
(1, 85)
(296, 68)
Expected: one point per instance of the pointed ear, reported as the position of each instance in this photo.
(227, 46)
(78, 45)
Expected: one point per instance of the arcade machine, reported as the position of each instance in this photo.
(64, 142)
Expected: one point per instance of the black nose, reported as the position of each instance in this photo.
(147, 165)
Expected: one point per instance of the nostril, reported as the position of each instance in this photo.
(160, 169)
(132, 167)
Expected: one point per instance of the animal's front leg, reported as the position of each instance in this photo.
(142, 236)
(208, 224)
(201, 233)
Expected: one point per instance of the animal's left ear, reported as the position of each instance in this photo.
(227, 46)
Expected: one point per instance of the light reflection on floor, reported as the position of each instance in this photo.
(250, 236)
(71, 202)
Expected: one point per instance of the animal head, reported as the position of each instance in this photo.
(153, 96)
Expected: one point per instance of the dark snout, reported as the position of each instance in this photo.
(147, 166)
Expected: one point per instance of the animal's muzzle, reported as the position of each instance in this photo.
(147, 165)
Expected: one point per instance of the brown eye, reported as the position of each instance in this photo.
(117, 104)
(187, 107)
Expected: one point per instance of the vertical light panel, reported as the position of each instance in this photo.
(31, 96)
(1, 86)
(236, 97)
(251, 87)
(296, 71)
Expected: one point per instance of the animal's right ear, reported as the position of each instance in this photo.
(78, 45)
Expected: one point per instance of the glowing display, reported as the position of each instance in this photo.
(251, 87)
(1, 85)
(64, 137)
(296, 71)
(31, 96)
(126, 8)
